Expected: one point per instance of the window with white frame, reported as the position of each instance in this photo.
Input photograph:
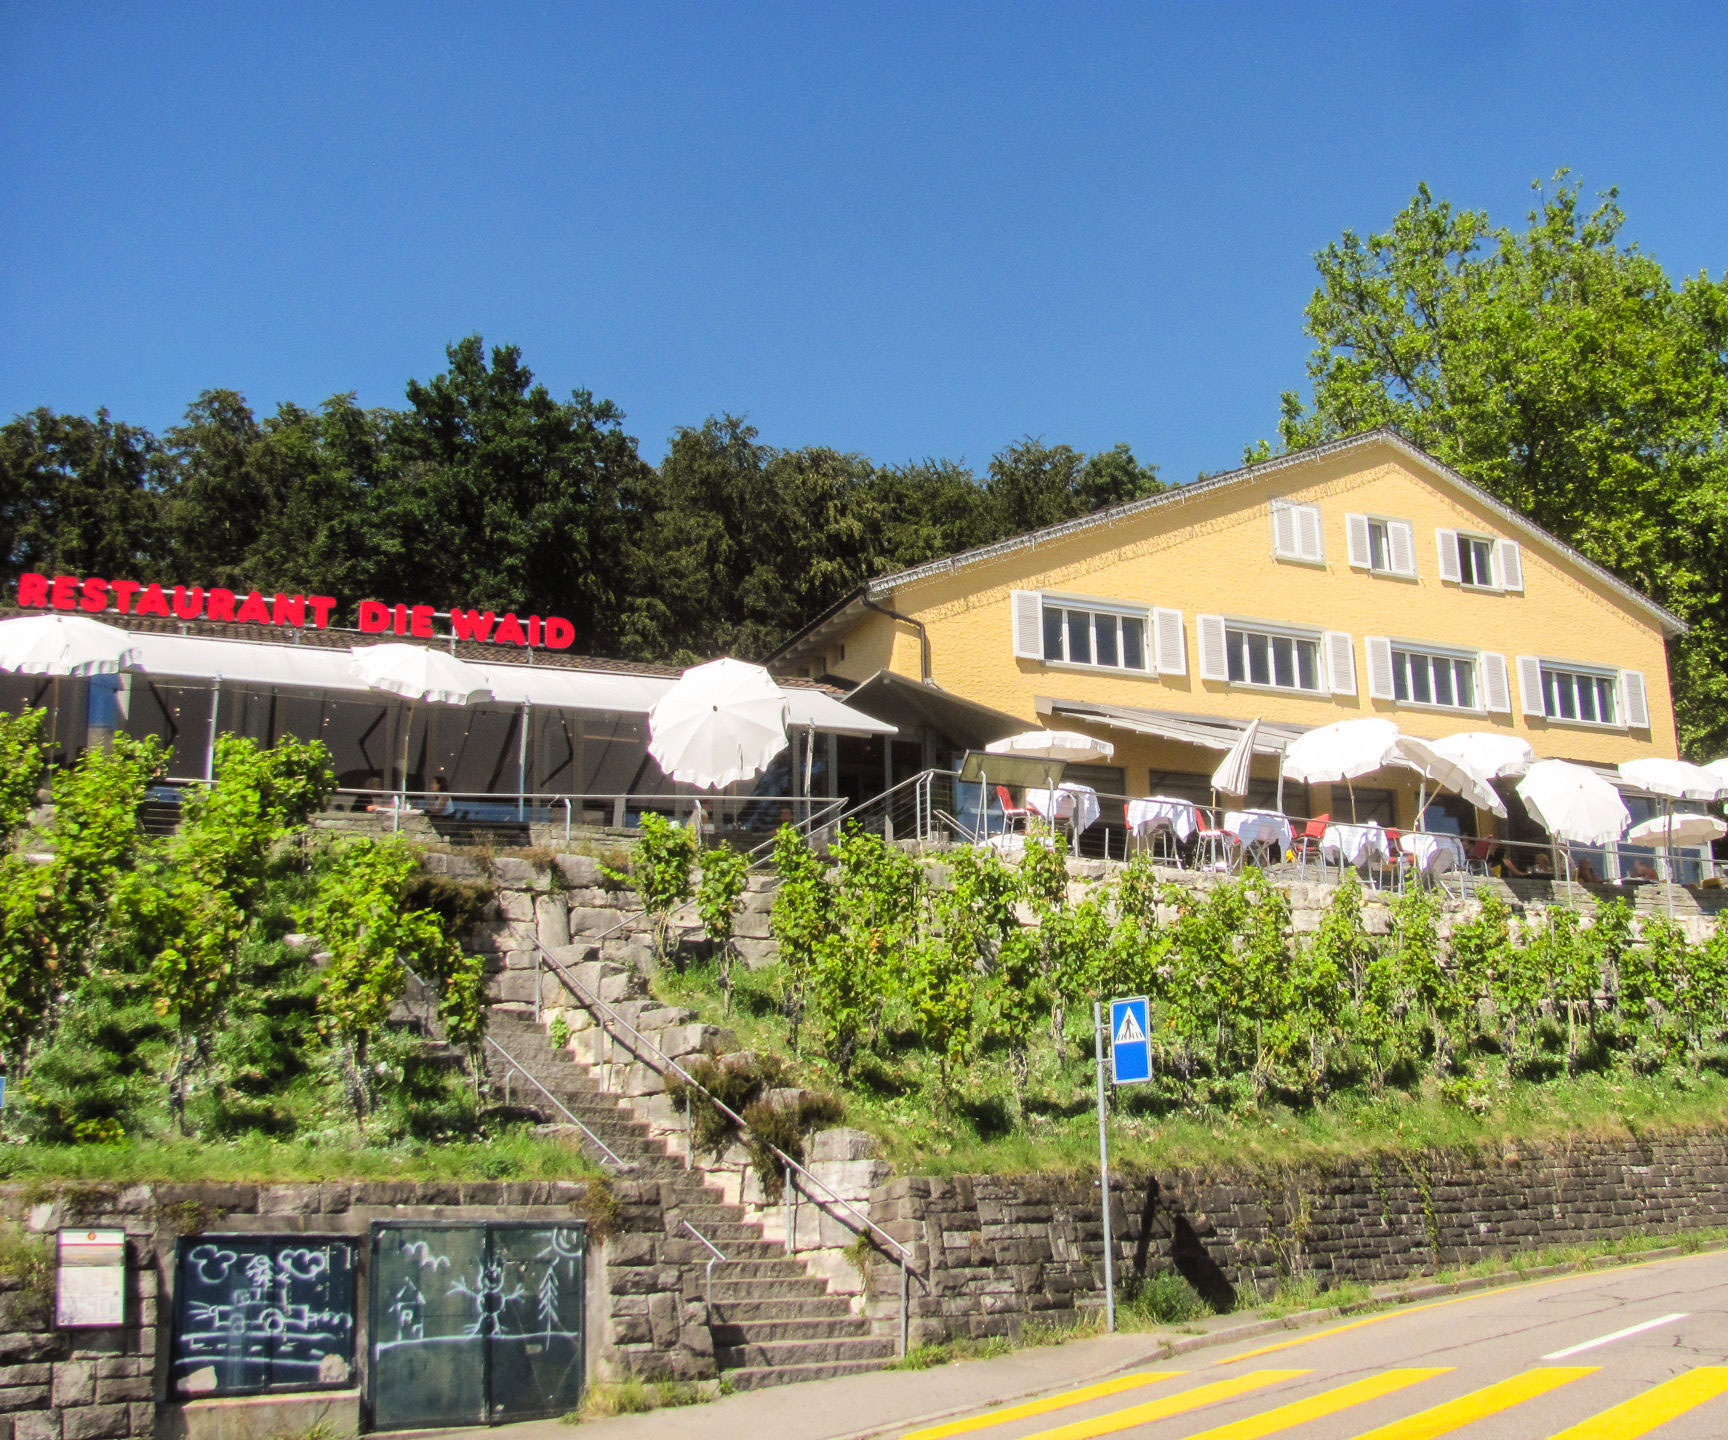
(1077, 636)
(1384, 547)
(1480, 561)
(1296, 533)
(1412, 673)
(1265, 657)
(1065, 630)
(1420, 677)
(1580, 694)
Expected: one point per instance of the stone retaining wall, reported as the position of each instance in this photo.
(998, 1251)
(644, 1311)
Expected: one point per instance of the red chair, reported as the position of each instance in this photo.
(1307, 846)
(1010, 811)
(1476, 859)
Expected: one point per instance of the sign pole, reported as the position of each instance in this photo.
(1104, 1173)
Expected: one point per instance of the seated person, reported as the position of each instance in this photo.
(1587, 872)
(438, 802)
(1504, 862)
(1643, 870)
(1541, 865)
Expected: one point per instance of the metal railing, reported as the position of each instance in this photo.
(716, 1258)
(663, 1064)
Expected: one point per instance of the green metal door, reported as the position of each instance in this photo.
(473, 1324)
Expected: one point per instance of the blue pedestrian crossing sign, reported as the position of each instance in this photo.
(1130, 1042)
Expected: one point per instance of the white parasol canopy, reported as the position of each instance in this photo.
(1445, 773)
(1344, 750)
(720, 723)
(1487, 754)
(1231, 776)
(64, 645)
(1068, 746)
(418, 674)
(1681, 830)
(1573, 804)
(1718, 767)
(1675, 779)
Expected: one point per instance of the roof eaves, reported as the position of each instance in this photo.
(1183, 494)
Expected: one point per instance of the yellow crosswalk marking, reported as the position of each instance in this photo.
(1317, 1406)
(1479, 1404)
(1170, 1405)
(1656, 1406)
(1044, 1405)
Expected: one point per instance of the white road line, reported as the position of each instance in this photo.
(1617, 1335)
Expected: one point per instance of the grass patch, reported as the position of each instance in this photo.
(256, 1160)
(1160, 1301)
(1293, 1296)
(27, 1268)
(637, 1397)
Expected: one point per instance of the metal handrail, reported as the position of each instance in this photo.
(604, 1012)
(708, 1281)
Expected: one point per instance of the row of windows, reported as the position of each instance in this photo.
(1387, 546)
(1153, 642)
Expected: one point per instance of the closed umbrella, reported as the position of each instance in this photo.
(418, 675)
(1231, 776)
(1340, 752)
(60, 646)
(720, 723)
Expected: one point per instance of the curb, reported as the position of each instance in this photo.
(1385, 1298)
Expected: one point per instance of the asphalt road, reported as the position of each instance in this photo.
(1636, 1351)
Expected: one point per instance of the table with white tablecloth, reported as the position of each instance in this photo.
(1265, 831)
(1434, 855)
(1160, 812)
(1354, 844)
(1068, 804)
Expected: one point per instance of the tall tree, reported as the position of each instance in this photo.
(1032, 484)
(78, 496)
(507, 499)
(1561, 369)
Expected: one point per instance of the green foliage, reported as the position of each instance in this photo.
(801, 920)
(758, 1089)
(1564, 371)
(22, 764)
(660, 865)
(724, 874)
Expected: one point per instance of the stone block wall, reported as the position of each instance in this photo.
(995, 1252)
(644, 1310)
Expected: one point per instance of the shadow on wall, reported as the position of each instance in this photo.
(1188, 1256)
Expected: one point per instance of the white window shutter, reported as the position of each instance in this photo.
(1448, 549)
(1028, 625)
(1284, 529)
(1496, 688)
(1310, 541)
(1170, 646)
(1214, 660)
(1356, 542)
(1340, 662)
(1401, 540)
(1530, 684)
(1635, 699)
(1508, 566)
(1379, 650)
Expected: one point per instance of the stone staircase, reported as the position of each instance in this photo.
(773, 1322)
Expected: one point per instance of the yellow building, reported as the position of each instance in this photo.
(1362, 577)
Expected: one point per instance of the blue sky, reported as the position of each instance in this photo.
(905, 230)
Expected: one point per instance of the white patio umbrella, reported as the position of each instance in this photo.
(1445, 773)
(1231, 776)
(63, 646)
(1673, 780)
(1487, 754)
(1717, 767)
(1678, 830)
(1573, 804)
(418, 675)
(1068, 746)
(720, 723)
(1341, 752)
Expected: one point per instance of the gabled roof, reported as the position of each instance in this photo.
(885, 585)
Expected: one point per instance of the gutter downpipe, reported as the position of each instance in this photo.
(918, 625)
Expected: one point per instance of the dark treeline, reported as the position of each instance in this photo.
(484, 490)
